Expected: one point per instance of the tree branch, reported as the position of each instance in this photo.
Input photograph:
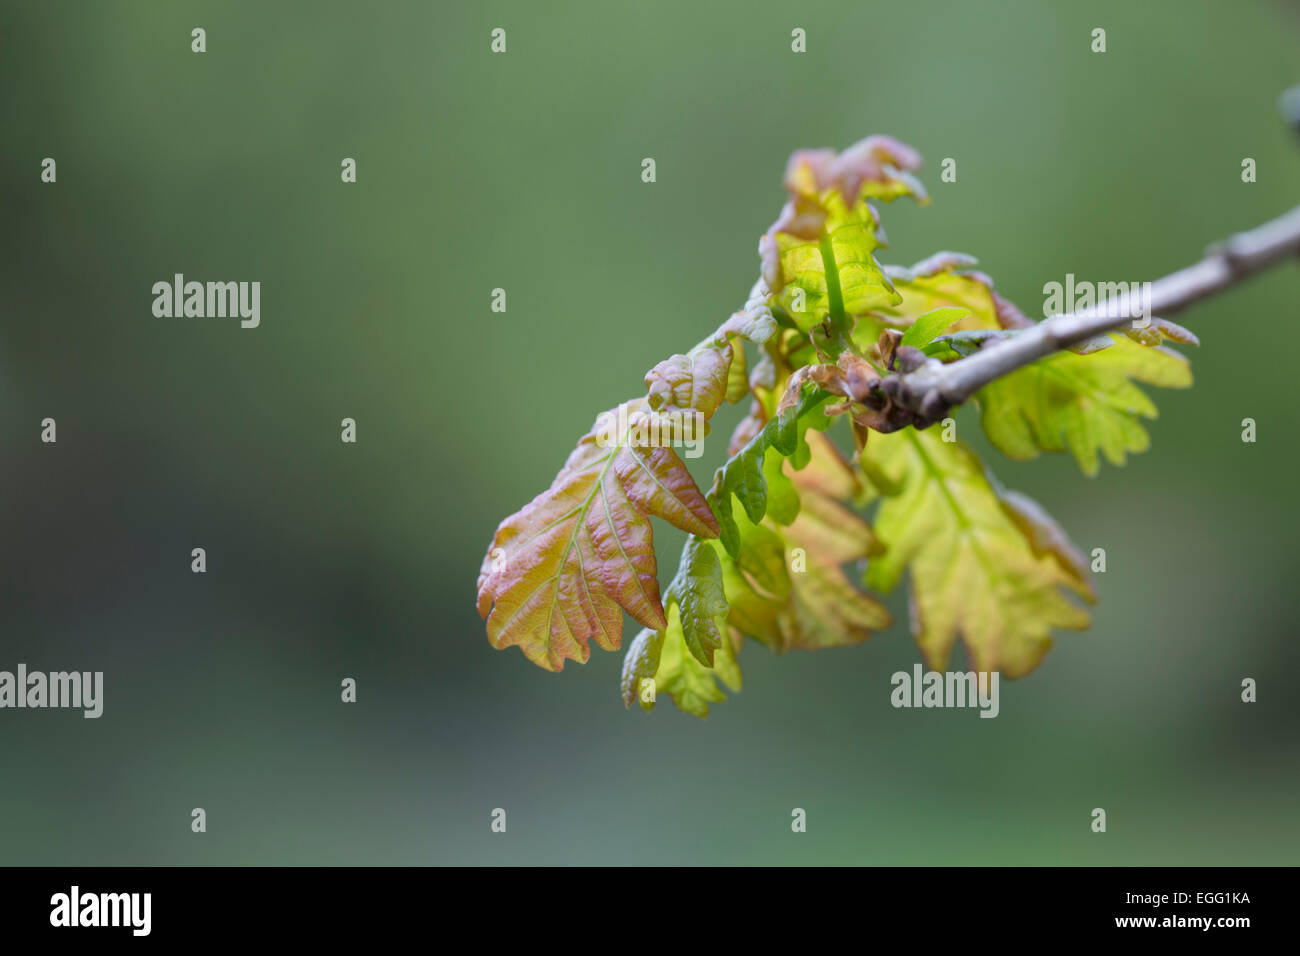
(932, 389)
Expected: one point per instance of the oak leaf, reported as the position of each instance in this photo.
(992, 570)
(560, 572)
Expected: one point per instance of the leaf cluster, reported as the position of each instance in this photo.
(800, 528)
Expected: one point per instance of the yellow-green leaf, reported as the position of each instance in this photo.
(1086, 404)
(805, 294)
(661, 658)
(828, 217)
(975, 572)
(787, 586)
(944, 280)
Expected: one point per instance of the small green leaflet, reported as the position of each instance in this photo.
(923, 331)
(693, 651)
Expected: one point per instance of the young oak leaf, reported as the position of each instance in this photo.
(945, 280)
(787, 586)
(1156, 331)
(662, 656)
(778, 426)
(1087, 404)
(755, 477)
(929, 325)
(828, 217)
(969, 341)
(877, 167)
(1046, 537)
(697, 591)
(559, 570)
(754, 321)
(804, 289)
(993, 572)
(689, 655)
(1084, 400)
(694, 382)
(714, 370)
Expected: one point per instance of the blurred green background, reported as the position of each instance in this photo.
(522, 171)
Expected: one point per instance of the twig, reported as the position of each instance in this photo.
(935, 387)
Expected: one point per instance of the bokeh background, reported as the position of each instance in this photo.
(522, 171)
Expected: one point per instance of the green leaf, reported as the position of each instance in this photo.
(1086, 404)
(698, 592)
(927, 326)
(805, 294)
(782, 499)
(747, 474)
(828, 201)
(976, 573)
(787, 586)
(662, 659)
(945, 281)
(964, 343)
(692, 652)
